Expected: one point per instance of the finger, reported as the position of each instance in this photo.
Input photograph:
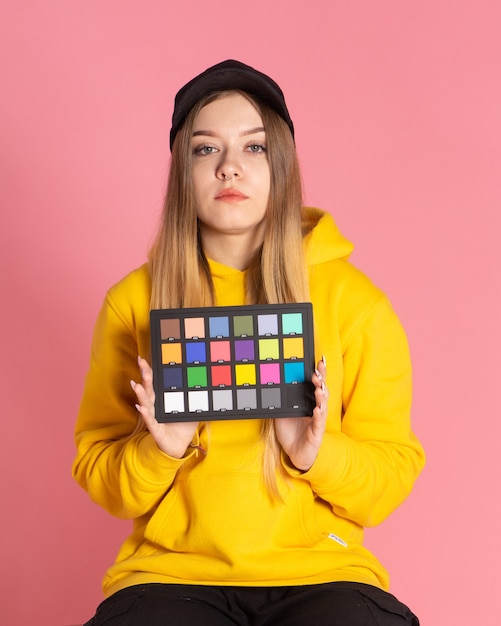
(321, 399)
(148, 417)
(322, 367)
(318, 381)
(319, 420)
(143, 398)
(145, 407)
(321, 395)
(147, 377)
(320, 373)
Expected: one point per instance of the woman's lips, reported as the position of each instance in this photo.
(230, 195)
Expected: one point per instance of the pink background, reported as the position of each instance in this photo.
(397, 106)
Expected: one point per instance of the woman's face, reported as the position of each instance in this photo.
(231, 173)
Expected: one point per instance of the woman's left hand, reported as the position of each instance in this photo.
(300, 437)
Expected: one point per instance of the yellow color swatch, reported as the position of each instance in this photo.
(293, 348)
(245, 374)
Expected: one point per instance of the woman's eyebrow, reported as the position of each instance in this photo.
(258, 129)
(209, 133)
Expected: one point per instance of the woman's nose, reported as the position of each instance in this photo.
(229, 167)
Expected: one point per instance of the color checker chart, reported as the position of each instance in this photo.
(215, 363)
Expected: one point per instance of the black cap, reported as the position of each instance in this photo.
(226, 76)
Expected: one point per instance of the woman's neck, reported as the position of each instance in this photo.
(235, 251)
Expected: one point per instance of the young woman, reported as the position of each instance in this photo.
(253, 521)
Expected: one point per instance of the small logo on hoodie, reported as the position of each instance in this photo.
(338, 540)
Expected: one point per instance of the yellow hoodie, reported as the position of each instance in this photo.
(207, 519)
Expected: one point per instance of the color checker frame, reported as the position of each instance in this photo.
(216, 363)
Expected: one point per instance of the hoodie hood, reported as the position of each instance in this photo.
(324, 241)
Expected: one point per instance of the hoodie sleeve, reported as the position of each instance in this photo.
(121, 469)
(369, 458)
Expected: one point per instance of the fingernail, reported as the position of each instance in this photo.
(132, 384)
(139, 359)
(324, 360)
(318, 374)
(138, 408)
(323, 388)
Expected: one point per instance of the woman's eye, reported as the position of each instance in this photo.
(203, 150)
(257, 147)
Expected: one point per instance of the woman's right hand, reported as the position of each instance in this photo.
(172, 438)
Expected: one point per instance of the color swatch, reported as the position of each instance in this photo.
(214, 363)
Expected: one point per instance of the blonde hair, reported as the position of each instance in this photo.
(179, 270)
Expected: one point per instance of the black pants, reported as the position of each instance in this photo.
(330, 604)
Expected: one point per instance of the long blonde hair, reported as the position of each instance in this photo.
(179, 270)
